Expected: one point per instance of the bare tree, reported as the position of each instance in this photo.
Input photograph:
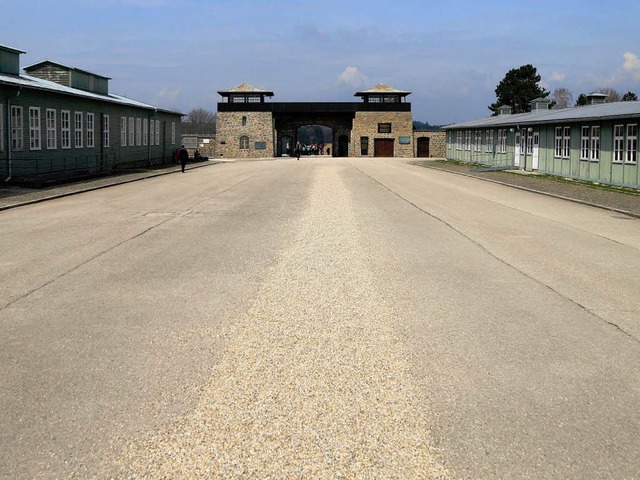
(199, 120)
(612, 94)
(563, 98)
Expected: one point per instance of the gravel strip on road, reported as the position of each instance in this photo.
(314, 382)
(627, 201)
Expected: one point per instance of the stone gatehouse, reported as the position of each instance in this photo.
(380, 125)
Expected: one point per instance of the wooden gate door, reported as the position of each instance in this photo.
(423, 147)
(383, 147)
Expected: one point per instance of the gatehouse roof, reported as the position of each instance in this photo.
(381, 88)
(246, 88)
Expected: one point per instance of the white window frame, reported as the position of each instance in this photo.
(50, 125)
(35, 132)
(145, 131)
(157, 132)
(557, 153)
(173, 133)
(566, 142)
(502, 140)
(78, 132)
(17, 127)
(595, 144)
(152, 132)
(529, 143)
(138, 132)
(91, 125)
(478, 141)
(123, 131)
(105, 131)
(467, 140)
(631, 154)
(1, 127)
(132, 132)
(585, 142)
(65, 129)
(618, 144)
(489, 139)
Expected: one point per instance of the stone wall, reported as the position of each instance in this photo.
(437, 142)
(257, 126)
(366, 125)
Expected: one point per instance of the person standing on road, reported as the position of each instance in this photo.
(297, 150)
(184, 156)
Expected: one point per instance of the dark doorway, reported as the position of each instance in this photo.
(383, 147)
(343, 146)
(314, 139)
(423, 147)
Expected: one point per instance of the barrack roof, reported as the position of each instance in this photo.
(36, 65)
(381, 88)
(599, 111)
(27, 81)
(11, 49)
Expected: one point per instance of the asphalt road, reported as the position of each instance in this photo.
(328, 318)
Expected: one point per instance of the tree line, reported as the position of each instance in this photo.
(521, 85)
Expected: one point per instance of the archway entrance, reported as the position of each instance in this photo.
(314, 139)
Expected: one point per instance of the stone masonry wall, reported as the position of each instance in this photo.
(258, 127)
(366, 125)
(437, 142)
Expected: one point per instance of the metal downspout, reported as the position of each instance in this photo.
(8, 123)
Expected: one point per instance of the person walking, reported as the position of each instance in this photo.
(183, 155)
(297, 150)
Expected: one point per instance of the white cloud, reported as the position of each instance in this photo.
(169, 94)
(632, 64)
(557, 77)
(354, 77)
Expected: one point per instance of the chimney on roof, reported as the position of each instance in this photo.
(504, 110)
(540, 104)
(596, 97)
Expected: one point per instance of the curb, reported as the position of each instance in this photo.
(526, 189)
(97, 187)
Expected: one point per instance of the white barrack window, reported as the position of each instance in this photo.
(618, 143)
(478, 141)
(123, 131)
(488, 148)
(145, 131)
(52, 138)
(152, 132)
(503, 140)
(566, 142)
(132, 132)
(632, 143)
(595, 144)
(105, 131)
(78, 132)
(65, 129)
(585, 140)
(90, 130)
(35, 138)
(138, 132)
(558, 145)
(16, 128)
(157, 132)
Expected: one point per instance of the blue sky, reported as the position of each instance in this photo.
(450, 54)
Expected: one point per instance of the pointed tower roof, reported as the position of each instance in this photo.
(382, 88)
(246, 88)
